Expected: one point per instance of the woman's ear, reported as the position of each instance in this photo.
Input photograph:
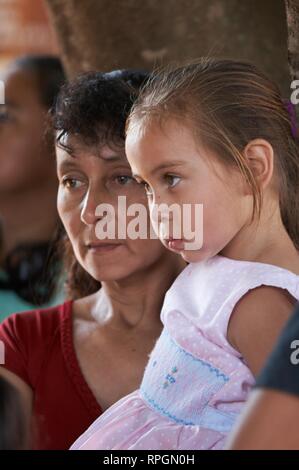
(259, 155)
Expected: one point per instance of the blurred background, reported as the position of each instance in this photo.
(24, 29)
(109, 34)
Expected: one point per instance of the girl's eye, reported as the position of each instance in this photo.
(172, 180)
(71, 183)
(124, 179)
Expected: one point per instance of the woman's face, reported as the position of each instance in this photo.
(89, 178)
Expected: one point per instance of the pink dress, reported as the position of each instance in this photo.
(195, 383)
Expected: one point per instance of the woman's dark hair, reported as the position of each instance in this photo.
(49, 73)
(14, 434)
(94, 107)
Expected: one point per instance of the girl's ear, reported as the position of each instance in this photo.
(259, 155)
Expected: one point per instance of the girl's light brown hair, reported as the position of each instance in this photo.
(228, 104)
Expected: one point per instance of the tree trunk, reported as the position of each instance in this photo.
(109, 34)
(292, 8)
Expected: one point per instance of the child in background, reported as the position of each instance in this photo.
(214, 133)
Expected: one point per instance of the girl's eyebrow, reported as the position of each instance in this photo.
(164, 166)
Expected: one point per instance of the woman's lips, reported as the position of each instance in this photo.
(102, 247)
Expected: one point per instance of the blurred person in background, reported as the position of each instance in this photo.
(28, 185)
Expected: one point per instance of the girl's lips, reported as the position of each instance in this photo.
(176, 245)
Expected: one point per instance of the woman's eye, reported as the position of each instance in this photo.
(71, 183)
(124, 179)
(172, 180)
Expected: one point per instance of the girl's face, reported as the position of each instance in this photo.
(176, 170)
(88, 178)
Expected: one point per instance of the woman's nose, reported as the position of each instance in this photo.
(88, 211)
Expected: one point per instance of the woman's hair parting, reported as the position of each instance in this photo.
(227, 104)
(94, 107)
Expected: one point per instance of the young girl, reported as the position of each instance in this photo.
(214, 133)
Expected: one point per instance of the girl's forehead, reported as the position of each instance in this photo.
(156, 135)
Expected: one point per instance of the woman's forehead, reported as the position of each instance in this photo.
(72, 147)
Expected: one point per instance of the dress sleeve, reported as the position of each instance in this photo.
(281, 371)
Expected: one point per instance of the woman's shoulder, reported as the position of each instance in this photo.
(27, 337)
(37, 322)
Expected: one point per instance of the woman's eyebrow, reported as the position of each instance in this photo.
(66, 165)
(111, 158)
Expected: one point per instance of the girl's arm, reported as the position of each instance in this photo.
(271, 416)
(256, 323)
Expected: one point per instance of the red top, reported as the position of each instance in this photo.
(39, 349)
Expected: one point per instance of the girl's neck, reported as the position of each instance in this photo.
(137, 300)
(265, 241)
(27, 217)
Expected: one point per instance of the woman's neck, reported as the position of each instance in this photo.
(27, 217)
(137, 300)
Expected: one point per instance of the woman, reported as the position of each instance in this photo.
(74, 361)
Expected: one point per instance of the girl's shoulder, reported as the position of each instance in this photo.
(204, 296)
(217, 284)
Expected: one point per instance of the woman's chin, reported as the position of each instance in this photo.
(110, 273)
